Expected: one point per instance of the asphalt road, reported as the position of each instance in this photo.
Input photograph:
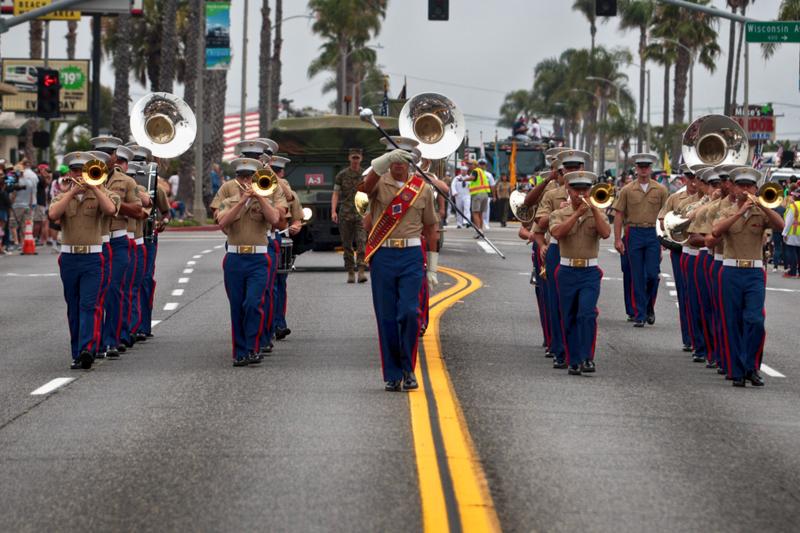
(171, 437)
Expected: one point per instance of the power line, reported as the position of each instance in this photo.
(451, 84)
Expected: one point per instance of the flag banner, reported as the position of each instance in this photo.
(512, 165)
(496, 157)
(218, 35)
(667, 165)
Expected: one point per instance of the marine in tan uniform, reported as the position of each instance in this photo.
(80, 211)
(579, 227)
(742, 278)
(638, 205)
(246, 218)
(397, 264)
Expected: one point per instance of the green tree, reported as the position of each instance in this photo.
(586, 8)
(71, 37)
(638, 15)
(168, 45)
(264, 71)
(121, 60)
(193, 42)
(275, 61)
(788, 10)
(346, 25)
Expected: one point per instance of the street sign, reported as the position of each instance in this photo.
(773, 32)
(760, 128)
(23, 75)
(23, 6)
(92, 7)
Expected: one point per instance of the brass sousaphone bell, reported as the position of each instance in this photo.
(713, 140)
(164, 124)
(435, 121)
(522, 212)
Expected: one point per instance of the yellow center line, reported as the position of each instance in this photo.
(474, 502)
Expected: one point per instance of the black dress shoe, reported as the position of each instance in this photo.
(588, 367)
(76, 364)
(410, 381)
(121, 348)
(129, 343)
(754, 378)
(739, 382)
(86, 360)
(721, 371)
(698, 358)
(638, 324)
(141, 337)
(687, 348)
(548, 354)
(574, 370)
(630, 318)
(651, 318)
(711, 364)
(100, 355)
(266, 350)
(112, 353)
(254, 358)
(559, 364)
(281, 333)
(394, 385)
(242, 361)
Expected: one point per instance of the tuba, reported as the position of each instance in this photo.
(714, 140)
(435, 121)
(164, 124)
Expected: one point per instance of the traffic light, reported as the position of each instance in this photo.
(605, 8)
(48, 93)
(438, 9)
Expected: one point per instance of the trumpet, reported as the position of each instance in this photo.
(770, 196)
(601, 195)
(264, 182)
(94, 172)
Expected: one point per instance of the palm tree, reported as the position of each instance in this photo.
(121, 58)
(215, 83)
(586, 8)
(347, 25)
(638, 15)
(169, 44)
(192, 43)
(264, 71)
(72, 37)
(276, 60)
(734, 5)
(36, 41)
(736, 71)
(788, 10)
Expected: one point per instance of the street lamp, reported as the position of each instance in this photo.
(639, 141)
(691, 72)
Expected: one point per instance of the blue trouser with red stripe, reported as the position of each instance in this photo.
(136, 288)
(578, 292)
(82, 277)
(127, 292)
(644, 256)
(113, 302)
(148, 289)
(541, 295)
(716, 306)
(246, 283)
(705, 325)
(625, 266)
(680, 288)
(695, 318)
(551, 262)
(274, 253)
(742, 292)
(397, 278)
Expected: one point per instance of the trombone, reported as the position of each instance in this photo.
(770, 195)
(94, 172)
(264, 182)
(601, 195)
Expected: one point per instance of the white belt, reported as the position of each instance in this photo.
(578, 263)
(139, 241)
(247, 249)
(703, 249)
(718, 257)
(81, 248)
(402, 243)
(553, 240)
(120, 233)
(130, 234)
(106, 238)
(743, 263)
(690, 251)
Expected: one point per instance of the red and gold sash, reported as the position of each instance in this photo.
(393, 214)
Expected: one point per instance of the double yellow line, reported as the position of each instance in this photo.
(453, 489)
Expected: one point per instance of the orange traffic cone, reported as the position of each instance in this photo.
(28, 244)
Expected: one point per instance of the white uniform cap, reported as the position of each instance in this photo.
(404, 143)
(125, 153)
(279, 162)
(272, 146)
(252, 146)
(745, 176)
(77, 158)
(245, 163)
(140, 153)
(725, 170)
(136, 167)
(553, 152)
(101, 156)
(708, 175)
(580, 178)
(650, 159)
(574, 156)
(105, 142)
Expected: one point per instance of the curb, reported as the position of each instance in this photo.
(213, 227)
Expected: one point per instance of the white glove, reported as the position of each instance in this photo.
(433, 268)
(381, 164)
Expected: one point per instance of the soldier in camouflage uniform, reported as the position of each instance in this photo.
(351, 227)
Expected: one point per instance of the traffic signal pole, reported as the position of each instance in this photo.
(9, 22)
(47, 65)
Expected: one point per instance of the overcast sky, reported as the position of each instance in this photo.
(485, 50)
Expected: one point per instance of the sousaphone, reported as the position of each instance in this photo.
(164, 124)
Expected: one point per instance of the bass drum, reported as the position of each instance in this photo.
(287, 258)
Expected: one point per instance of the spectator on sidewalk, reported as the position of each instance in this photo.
(778, 252)
(503, 191)
(791, 236)
(24, 201)
(5, 208)
(40, 226)
(177, 209)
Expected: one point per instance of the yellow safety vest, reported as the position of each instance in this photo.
(795, 228)
(480, 184)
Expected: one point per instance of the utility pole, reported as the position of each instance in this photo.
(244, 73)
(47, 65)
(95, 99)
(199, 210)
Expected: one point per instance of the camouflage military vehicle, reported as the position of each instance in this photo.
(318, 148)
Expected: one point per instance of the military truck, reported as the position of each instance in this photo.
(318, 148)
(530, 156)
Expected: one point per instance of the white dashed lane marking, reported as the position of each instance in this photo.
(188, 270)
(52, 385)
(190, 263)
(768, 370)
(183, 280)
(154, 323)
(217, 247)
(673, 293)
(486, 248)
(171, 306)
(206, 251)
(177, 292)
(196, 256)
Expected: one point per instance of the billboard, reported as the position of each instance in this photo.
(218, 35)
(21, 73)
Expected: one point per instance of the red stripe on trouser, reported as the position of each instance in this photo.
(139, 292)
(228, 294)
(561, 318)
(760, 353)
(97, 326)
(686, 305)
(122, 296)
(630, 269)
(724, 326)
(257, 346)
(596, 321)
(422, 312)
(130, 288)
(697, 291)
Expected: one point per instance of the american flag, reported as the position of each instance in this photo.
(232, 132)
(757, 161)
